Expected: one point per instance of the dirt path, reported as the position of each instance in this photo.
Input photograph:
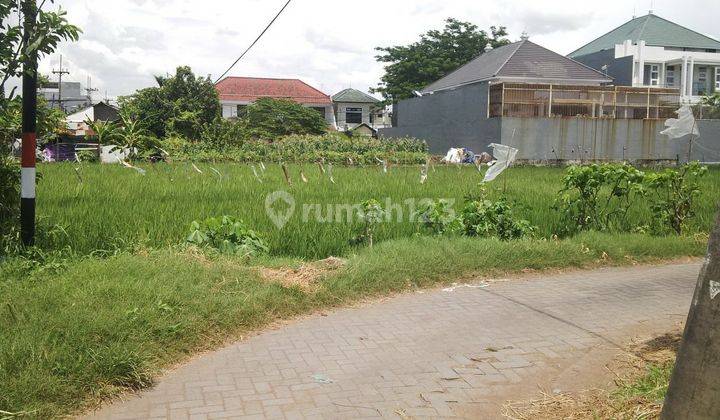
(459, 352)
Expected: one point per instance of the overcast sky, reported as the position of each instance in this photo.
(329, 44)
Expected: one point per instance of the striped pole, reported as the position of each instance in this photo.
(29, 125)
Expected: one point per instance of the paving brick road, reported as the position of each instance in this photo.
(431, 354)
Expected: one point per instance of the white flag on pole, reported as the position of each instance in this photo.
(683, 125)
(505, 156)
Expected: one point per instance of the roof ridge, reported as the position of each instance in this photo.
(600, 36)
(642, 28)
(313, 88)
(519, 44)
(350, 90)
(574, 61)
(258, 78)
(472, 60)
(684, 27)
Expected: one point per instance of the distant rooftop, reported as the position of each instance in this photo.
(652, 29)
(521, 60)
(354, 95)
(250, 89)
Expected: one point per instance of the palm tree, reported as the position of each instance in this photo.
(132, 136)
(105, 131)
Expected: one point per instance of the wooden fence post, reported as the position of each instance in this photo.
(550, 101)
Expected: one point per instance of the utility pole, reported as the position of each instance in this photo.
(29, 126)
(89, 90)
(60, 76)
(694, 391)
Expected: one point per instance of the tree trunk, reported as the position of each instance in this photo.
(694, 391)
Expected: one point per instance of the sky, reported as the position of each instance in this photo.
(328, 44)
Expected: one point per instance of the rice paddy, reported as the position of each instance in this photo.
(106, 207)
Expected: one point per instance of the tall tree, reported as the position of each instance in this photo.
(437, 53)
(179, 105)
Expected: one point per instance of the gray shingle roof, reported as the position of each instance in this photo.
(652, 29)
(353, 95)
(522, 59)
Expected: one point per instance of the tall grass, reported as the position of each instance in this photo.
(108, 206)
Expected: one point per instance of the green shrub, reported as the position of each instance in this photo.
(88, 156)
(439, 217)
(227, 235)
(330, 147)
(672, 194)
(371, 215)
(599, 197)
(483, 217)
(9, 200)
(269, 118)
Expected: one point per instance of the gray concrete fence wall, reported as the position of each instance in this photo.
(606, 139)
(454, 118)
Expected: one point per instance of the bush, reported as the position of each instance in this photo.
(599, 197)
(88, 156)
(482, 217)
(268, 119)
(9, 200)
(439, 217)
(227, 235)
(672, 195)
(371, 214)
(330, 147)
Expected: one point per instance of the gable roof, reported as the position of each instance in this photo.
(250, 89)
(354, 95)
(652, 29)
(100, 110)
(522, 59)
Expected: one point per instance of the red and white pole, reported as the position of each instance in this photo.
(29, 126)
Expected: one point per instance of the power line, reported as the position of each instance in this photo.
(254, 42)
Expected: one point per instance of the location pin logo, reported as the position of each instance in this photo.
(279, 206)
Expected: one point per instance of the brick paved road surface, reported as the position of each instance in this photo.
(431, 354)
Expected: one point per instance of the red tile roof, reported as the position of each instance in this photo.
(252, 88)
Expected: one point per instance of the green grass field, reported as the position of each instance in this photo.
(78, 335)
(114, 206)
(74, 332)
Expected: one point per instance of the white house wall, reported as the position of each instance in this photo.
(686, 61)
(341, 113)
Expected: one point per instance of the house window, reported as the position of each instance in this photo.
(353, 115)
(717, 79)
(652, 75)
(670, 76)
(702, 80)
(241, 111)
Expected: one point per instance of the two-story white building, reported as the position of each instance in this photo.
(650, 51)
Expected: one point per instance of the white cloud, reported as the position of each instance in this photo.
(325, 43)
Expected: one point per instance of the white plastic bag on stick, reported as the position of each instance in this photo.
(683, 125)
(505, 156)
